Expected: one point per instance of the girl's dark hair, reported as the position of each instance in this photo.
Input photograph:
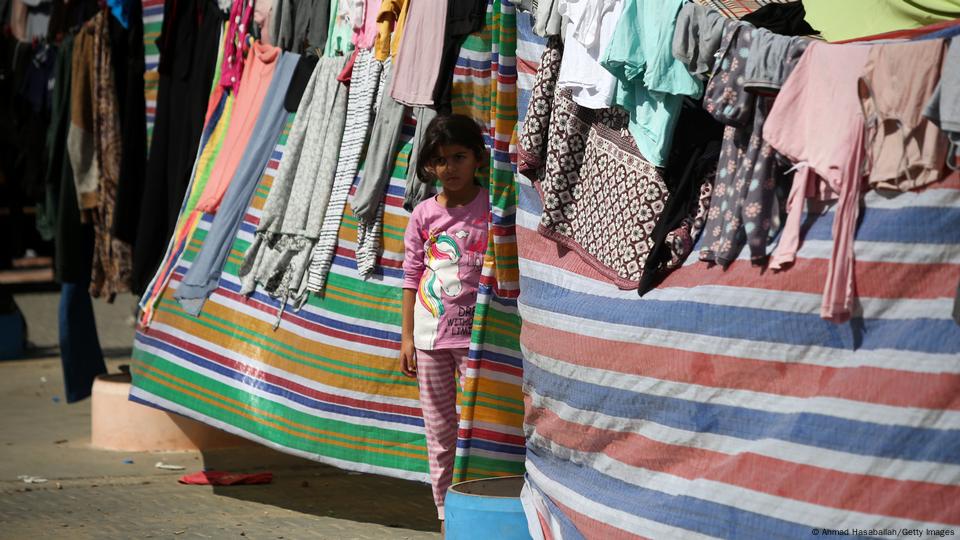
(444, 130)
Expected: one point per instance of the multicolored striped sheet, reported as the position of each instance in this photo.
(720, 405)
(219, 113)
(326, 384)
(485, 88)
(152, 23)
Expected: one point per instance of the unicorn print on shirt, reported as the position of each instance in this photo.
(441, 277)
(443, 261)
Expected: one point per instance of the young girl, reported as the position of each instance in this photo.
(445, 242)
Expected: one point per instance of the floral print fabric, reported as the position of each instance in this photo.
(747, 204)
(680, 240)
(533, 135)
(601, 198)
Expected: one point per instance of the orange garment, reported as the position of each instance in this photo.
(390, 20)
(257, 74)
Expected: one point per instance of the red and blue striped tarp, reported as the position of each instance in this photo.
(720, 405)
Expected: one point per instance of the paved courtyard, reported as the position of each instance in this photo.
(93, 493)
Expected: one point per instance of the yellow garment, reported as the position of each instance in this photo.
(390, 19)
(837, 21)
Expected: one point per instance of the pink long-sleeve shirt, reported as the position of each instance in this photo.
(817, 123)
(444, 249)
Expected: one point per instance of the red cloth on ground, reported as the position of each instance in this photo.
(224, 478)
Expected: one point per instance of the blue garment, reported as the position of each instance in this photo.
(121, 10)
(204, 274)
(80, 353)
(946, 33)
(651, 83)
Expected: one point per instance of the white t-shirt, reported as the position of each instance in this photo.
(587, 29)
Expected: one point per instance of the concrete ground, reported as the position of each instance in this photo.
(92, 493)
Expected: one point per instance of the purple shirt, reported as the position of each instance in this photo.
(444, 249)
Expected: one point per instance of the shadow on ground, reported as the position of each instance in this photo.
(313, 488)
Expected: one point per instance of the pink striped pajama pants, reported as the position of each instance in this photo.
(436, 376)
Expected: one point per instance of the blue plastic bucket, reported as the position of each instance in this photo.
(486, 509)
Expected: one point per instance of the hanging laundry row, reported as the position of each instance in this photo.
(74, 150)
(378, 63)
(626, 183)
(84, 146)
